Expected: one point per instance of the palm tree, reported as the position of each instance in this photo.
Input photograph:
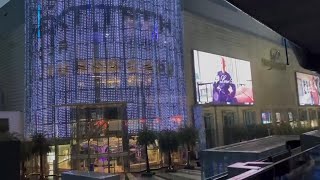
(25, 155)
(188, 137)
(145, 138)
(7, 136)
(40, 147)
(168, 143)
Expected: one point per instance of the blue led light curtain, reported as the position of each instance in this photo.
(94, 51)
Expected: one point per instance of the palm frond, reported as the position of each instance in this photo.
(40, 144)
(146, 137)
(168, 141)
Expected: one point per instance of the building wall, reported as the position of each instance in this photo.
(229, 16)
(12, 68)
(274, 90)
(12, 90)
(15, 118)
(210, 27)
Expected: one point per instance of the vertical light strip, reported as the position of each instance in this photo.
(39, 20)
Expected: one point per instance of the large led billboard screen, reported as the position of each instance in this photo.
(222, 80)
(308, 89)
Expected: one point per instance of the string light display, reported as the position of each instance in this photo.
(95, 51)
(199, 124)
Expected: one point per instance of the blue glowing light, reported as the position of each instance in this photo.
(199, 124)
(104, 51)
(39, 20)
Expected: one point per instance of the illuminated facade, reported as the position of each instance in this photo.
(85, 52)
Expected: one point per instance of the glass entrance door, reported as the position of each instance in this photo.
(51, 160)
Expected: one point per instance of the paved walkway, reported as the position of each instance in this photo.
(182, 174)
(132, 177)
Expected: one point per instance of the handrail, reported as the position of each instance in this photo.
(218, 176)
(225, 174)
(272, 166)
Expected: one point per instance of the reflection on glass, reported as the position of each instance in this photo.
(64, 158)
(278, 117)
(51, 160)
(266, 117)
(290, 116)
(99, 137)
(314, 123)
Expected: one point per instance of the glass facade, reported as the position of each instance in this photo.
(249, 117)
(99, 71)
(86, 52)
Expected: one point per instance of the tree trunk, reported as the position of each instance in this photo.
(41, 166)
(22, 170)
(147, 158)
(169, 159)
(89, 161)
(188, 155)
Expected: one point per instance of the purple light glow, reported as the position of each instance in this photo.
(134, 47)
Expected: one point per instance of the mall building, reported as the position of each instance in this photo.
(105, 70)
(99, 72)
(239, 72)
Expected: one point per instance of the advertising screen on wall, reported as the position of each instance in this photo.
(222, 80)
(308, 89)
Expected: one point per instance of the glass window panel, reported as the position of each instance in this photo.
(249, 117)
(303, 115)
(290, 116)
(266, 117)
(278, 117)
(229, 118)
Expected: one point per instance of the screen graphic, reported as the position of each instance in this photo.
(308, 89)
(222, 80)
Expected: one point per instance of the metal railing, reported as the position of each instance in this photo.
(224, 175)
(302, 165)
(36, 176)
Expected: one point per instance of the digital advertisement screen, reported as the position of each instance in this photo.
(308, 89)
(222, 80)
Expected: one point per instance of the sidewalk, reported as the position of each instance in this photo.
(138, 177)
(181, 174)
